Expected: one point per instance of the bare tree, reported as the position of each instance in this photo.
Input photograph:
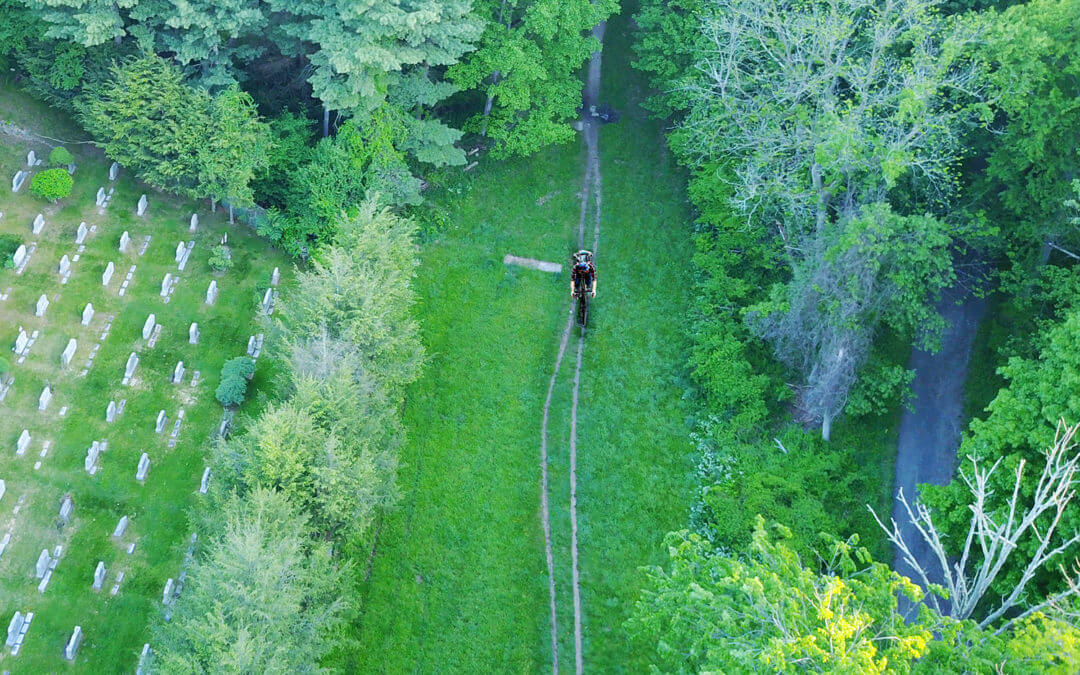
(995, 533)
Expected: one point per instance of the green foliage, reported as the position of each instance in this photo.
(292, 137)
(881, 387)
(9, 243)
(60, 156)
(234, 380)
(265, 595)
(52, 184)
(235, 150)
(5, 366)
(220, 259)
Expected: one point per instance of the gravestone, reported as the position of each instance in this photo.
(166, 283)
(23, 442)
(106, 276)
(211, 292)
(65, 510)
(92, 454)
(125, 239)
(87, 314)
(194, 222)
(42, 563)
(148, 327)
(121, 527)
(110, 412)
(129, 369)
(42, 305)
(159, 424)
(20, 255)
(80, 233)
(268, 301)
(99, 200)
(142, 206)
(20, 342)
(45, 398)
(178, 373)
(275, 277)
(69, 351)
(65, 265)
(39, 223)
(73, 643)
(251, 345)
(166, 595)
(99, 575)
(14, 628)
(180, 251)
(31, 158)
(205, 484)
(114, 171)
(144, 466)
(3, 491)
(18, 180)
(193, 334)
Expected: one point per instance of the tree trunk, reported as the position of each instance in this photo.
(231, 221)
(826, 426)
(325, 121)
(213, 205)
(488, 105)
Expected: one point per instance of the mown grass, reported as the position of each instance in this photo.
(114, 627)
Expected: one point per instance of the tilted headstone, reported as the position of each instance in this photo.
(99, 575)
(166, 595)
(125, 239)
(72, 646)
(20, 341)
(92, 454)
(15, 628)
(66, 507)
(45, 398)
(18, 180)
(114, 171)
(23, 442)
(87, 314)
(148, 327)
(144, 466)
(194, 222)
(80, 233)
(69, 351)
(39, 223)
(205, 484)
(180, 251)
(20, 255)
(268, 301)
(31, 158)
(251, 345)
(166, 283)
(275, 277)
(42, 305)
(65, 264)
(211, 292)
(110, 412)
(121, 527)
(106, 276)
(193, 334)
(99, 199)
(132, 361)
(159, 424)
(178, 373)
(42, 563)
(142, 206)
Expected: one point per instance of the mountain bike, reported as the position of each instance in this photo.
(583, 306)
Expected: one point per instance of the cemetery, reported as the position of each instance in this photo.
(115, 329)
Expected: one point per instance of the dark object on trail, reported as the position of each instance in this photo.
(605, 113)
(583, 307)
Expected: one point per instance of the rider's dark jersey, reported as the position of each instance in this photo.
(586, 273)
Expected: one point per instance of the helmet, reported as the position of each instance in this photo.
(583, 256)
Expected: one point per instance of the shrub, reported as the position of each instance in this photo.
(51, 184)
(5, 366)
(60, 156)
(234, 380)
(9, 243)
(220, 259)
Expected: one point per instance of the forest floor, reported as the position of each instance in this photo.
(458, 581)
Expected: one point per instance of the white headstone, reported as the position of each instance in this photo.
(99, 575)
(148, 327)
(65, 510)
(205, 484)
(20, 342)
(275, 277)
(132, 361)
(142, 206)
(39, 223)
(23, 442)
(211, 292)
(125, 239)
(144, 466)
(268, 300)
(165, 284)
(166, 595)
(3, 491)
(121, 527)
(69, 351)
(193, 334)
(20, 255)
(42, 305)
(87, 314)
(194, 222)
(45, 398)
(110, 411)
(42, 564)
(14, 628)
(180, 251)
(73, 644)
(18, 180)
(106, 276)
(80, 233)
(178, 373)
(114, 170)
(31, 158)
(65, 264)
(251, 345)
(159, 424)
(92, 454)
(99, 199)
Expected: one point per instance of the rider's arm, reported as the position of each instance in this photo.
(571, 285)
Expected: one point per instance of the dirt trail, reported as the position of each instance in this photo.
(591, 187)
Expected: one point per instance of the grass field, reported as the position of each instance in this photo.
(458, 581)
(115, 628)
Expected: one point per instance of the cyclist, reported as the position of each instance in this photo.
(583, 272)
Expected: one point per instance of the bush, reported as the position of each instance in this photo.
(220, 259)
(234, 380)
(52, 184)
(60, 156)
(5, 366)
(9, 243)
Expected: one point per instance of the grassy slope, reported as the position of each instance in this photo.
(114, 627)
(459, 580)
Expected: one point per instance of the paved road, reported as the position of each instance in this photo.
(930, 434)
